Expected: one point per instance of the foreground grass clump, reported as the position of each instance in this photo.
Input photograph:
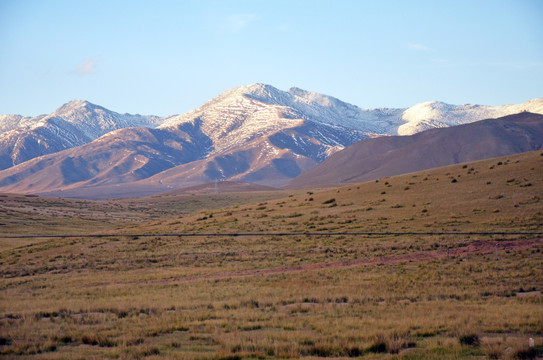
(238, 297)
(470, 339)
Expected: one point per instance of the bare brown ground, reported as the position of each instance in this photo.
(479, 247)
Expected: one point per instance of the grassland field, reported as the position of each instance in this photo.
(269, 297)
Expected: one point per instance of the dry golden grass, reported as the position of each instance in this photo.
(492, 195)
(29, 214)
(296, 296)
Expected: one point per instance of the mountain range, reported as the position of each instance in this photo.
(73, 124)
(395, 155)
(254, 133)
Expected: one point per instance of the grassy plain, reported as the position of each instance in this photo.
(30, 214)
(376, 297)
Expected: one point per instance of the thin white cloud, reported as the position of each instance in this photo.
(417, 47)
(237, 22)
(86, 67)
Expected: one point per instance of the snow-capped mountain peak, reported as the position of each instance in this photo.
(254, 133)
(94, 120)
(432, 114)
(240, 114)
(310, 97)
(245, 102)
(75, 104)
(73, 124)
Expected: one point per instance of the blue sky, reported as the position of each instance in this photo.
(168, 57)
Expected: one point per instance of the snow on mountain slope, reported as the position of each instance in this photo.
(253, 133)
(21, 145)
(329, 110)
(386, 156)
(435, 114)
(246, 104)
(248, 112)
(393, 121)
(95, 121)
(74, 124)
(257, 133)
(121, 156)
(272, 159)
(12, 122)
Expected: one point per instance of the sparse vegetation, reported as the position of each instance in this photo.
(409, 296)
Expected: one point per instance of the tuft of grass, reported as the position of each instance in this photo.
(469, 339)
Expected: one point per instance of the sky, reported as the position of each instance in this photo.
(168, 57)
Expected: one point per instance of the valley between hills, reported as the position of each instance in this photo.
(453, 269)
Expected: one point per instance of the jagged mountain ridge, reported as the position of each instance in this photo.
(73, 124)
(79, 122)
(236, 137)
(261, 106)
(253, 133)
(325, 109)
(12, 122)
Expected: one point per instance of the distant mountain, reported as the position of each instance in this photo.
(246, 134)
(74, 124)
(120, 156)
(435, 114)
(254, 133)
(394, 155)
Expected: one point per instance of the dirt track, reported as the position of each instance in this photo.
(473, 248)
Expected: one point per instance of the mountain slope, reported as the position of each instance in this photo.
(120, 156)
(241, 135)
(271, 159)
(247, 112)
(388, 156)
(253, 133)
(74, 124)
(435, 114)
(304, 126)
